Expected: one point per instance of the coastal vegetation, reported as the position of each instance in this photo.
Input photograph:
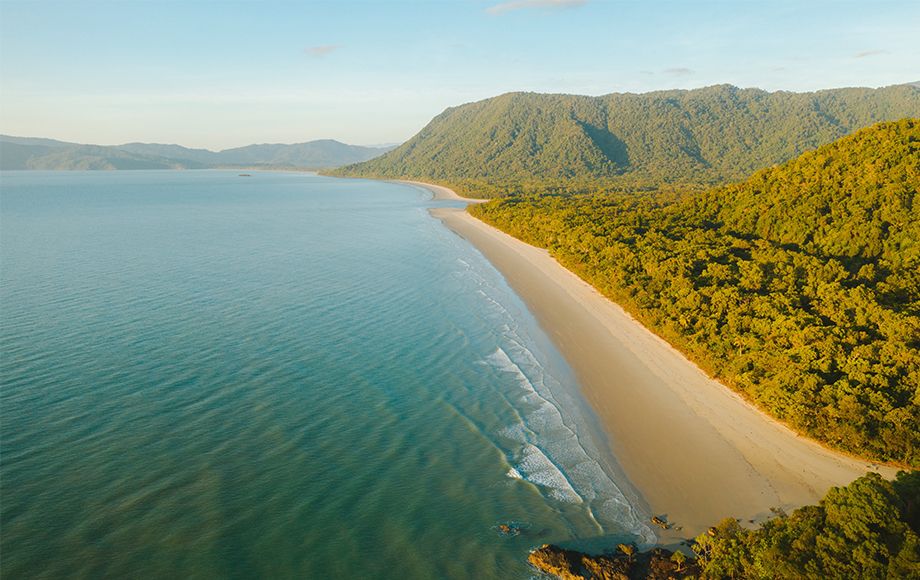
(524, 143)
(799, 287)
(869, 529)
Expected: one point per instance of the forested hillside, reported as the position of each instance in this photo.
(525, 142)
(799, 287)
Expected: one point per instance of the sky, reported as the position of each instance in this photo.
(217, 75)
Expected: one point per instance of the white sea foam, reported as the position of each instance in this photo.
(552, 453)
(499, 360)
(553, 448)
(538, 469)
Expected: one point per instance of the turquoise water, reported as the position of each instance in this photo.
(279, 376)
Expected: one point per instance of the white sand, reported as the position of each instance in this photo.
(695, 451)
(440, 192)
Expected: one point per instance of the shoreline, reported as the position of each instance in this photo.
(439, 192)
(693, 450)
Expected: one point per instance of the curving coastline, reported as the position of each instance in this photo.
(439, 192)
(694, 451)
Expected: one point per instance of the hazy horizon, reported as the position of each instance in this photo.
(217, 75)
(41, 138)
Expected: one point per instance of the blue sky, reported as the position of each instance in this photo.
(217, 74)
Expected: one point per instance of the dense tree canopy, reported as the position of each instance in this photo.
(521, 143)
(867, 530)
(799, 287)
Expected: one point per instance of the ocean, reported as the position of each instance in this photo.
(276, 376)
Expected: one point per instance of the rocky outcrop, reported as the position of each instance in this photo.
(571, 565)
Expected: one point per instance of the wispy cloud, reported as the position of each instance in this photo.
(868, 53)
(322, 50)
(500, 9)
(678, 71)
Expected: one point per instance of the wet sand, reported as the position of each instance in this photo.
(694, 451)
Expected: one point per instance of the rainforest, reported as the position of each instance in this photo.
(799, 287)
(676, 140)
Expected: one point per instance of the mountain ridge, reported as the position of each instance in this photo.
(683, 139)
(38, 153)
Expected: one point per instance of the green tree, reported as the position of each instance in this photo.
(678, 558)
(629, 550)
(861, 531)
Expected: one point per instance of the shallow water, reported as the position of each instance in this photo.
(285, 375)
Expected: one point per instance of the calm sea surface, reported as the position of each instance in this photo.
(280, 376)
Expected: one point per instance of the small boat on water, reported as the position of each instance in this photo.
(244, 175)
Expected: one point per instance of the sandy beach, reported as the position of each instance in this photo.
(440, 192)
(694, 451)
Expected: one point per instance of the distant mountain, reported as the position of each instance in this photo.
(16, 156)
(170, 151)
(35, 141)
(521, 142)
(316, 154)
(33, 153)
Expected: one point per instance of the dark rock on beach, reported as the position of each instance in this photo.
(571, 565)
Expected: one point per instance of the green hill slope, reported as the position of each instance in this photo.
(852, 199)
(799, 287)
(521, 142)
